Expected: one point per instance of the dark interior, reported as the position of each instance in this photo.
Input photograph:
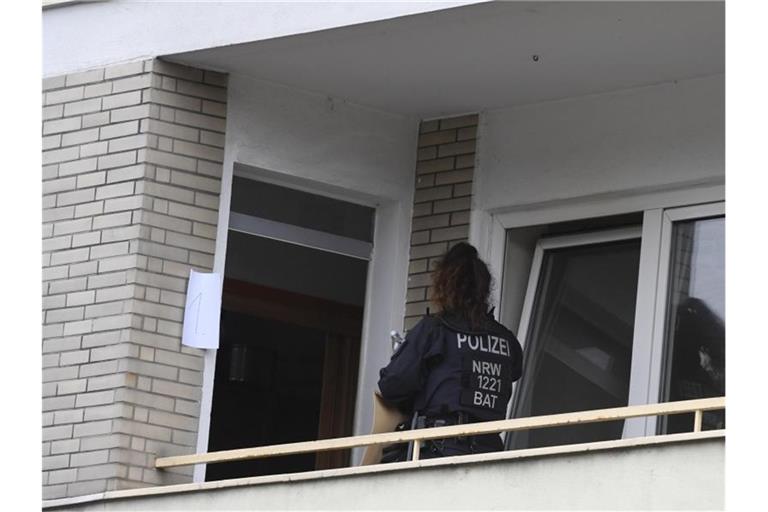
(266, 391)
(287, 364)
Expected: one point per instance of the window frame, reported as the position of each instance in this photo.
(547, 243)
(558, 242)
(488, 232)
(658, 348)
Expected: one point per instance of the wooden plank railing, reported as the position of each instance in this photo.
(418, 436)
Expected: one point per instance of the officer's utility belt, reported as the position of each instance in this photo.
(456, 418)
(391, 454)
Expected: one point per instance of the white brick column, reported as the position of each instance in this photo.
(131, 174)
(444, 170)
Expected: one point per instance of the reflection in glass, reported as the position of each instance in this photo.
(579, 345)
(695, 331)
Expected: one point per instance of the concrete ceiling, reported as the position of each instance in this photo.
(481, 56)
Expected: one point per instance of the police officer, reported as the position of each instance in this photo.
(458, 365)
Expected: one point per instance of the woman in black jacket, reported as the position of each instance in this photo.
(458, 365)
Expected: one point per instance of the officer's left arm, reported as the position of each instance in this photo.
(404, 376)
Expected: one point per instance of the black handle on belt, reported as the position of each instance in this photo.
(416, 422)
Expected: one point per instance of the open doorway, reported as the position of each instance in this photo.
(292, 313)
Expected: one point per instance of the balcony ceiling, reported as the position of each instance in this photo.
(481, 56)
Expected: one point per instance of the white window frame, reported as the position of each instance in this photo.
(656, 362)
(660, 207)
(557, 242)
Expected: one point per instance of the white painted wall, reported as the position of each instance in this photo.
(305, 135)
(648, 137)
(686, 476)
(82, 36)
(333, 148)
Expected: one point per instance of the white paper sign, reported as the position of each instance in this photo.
(202, 311)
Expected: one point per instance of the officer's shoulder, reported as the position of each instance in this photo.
(512, 338)
(427, 322)
(498, 327)
(423, 326)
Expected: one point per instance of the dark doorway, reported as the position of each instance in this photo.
(266, 391)
(286, 371)
(292, 314)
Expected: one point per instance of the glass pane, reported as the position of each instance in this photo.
(695, 331)
(296, 269)
(579, 347)
(303, 209)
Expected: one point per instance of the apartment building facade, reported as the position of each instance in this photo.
(321, 158)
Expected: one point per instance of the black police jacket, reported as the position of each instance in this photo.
(444, 366)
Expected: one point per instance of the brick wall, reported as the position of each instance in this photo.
(131, 173)
(441, 207)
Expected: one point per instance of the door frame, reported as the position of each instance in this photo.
(383, 310)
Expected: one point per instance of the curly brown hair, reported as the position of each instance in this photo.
(462, 283)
